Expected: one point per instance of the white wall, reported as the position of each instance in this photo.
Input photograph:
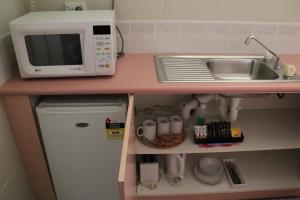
(229, 10)
(13, 181)
(200, 26)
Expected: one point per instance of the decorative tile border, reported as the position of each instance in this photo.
(208, 36)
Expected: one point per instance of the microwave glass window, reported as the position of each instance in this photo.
(54, 49)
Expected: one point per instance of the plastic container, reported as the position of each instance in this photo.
(219, 132)
(233, 174)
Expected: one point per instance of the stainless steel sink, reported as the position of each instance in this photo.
(241, 69)
(218, 69)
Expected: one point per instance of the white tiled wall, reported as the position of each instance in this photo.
(225, 10)
(13, 181)
(8, 11)
(198, 9)
(169, 36)
(195, 26)
(140, 9)
(233, 10)
(17, 188)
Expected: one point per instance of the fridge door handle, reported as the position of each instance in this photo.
(82, 125)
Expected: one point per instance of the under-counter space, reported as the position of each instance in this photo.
(272, 129)
(136, 74)
(21, 119)
(268, 158)
(17, 95)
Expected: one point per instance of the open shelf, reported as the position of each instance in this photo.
(263, 130)
(262, 171)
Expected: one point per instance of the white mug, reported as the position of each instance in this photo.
(163, 126)
(176, 124)
(148, 130)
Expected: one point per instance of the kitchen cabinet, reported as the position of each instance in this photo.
(17, 96)
(21, 119)
(127, 173)
(272, 143)
(268, 158)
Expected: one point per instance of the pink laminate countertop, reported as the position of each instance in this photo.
(136, 74)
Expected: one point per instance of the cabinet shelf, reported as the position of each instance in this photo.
(270, 170)
(275, 129)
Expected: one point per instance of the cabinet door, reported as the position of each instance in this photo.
(21, 120)
(127, 173)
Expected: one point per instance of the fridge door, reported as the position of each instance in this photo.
(127, 173)
(83, 162)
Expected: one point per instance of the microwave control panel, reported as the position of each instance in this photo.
(103, 49)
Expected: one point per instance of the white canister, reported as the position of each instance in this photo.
(176, 124)
(163, 126)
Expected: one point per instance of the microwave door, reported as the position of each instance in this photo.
(37, 50)
(71, 49)
(54, 49)
(55, 46)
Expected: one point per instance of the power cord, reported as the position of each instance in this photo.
(33, 5)
(113, 4)
(121, 53)
(171, 180)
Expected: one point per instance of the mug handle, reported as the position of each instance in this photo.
(138, 133)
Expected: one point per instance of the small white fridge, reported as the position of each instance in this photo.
(82, 139)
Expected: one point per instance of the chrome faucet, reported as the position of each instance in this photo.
(277, 65)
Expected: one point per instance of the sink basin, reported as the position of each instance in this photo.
(240, 69)
(216, 68)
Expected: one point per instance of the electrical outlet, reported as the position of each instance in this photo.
(75, 6)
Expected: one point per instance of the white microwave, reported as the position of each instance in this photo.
(65, 43)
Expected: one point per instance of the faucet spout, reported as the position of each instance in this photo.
(247, 42)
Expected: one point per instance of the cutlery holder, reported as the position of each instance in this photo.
(233, 173)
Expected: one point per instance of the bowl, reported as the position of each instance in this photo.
(210, 166)
(208, 179)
